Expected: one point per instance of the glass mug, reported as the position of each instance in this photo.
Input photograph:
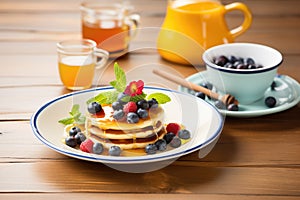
(77, 61)
(109, 23)
(192, 26)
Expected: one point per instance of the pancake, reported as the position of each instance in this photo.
(110, 132)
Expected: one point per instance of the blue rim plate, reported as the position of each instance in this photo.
(287, 95)
(198, 116)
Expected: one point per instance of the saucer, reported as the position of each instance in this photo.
(287, 94)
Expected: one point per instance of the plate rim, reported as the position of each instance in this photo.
(248, 113)
(123, 160)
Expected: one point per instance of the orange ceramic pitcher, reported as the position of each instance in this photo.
(191, 26)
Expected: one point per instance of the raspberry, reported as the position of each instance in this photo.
(87, 146)
(130, 107)
(173, 127)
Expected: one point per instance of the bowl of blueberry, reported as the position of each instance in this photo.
(244, 70)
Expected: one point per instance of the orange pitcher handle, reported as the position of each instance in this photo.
(247, 18)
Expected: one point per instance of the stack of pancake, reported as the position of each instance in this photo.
(110, 132)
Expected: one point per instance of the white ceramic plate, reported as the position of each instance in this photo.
(202, 119)
(287, 94)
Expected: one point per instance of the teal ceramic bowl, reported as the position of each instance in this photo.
(246, 85)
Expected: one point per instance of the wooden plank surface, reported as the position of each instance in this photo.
(240, 159)
(79, 176)
(79, 196)
(255, 158)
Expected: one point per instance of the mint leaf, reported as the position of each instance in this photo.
(104, 97)
(75, 116)
(66, 121)
(126, 98)
(80, 120)
(74, 110)
(138, 97)
(160, 97)
(111, 96)
(100, 98)
(120, 83)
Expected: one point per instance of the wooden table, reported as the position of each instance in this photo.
(255, 158)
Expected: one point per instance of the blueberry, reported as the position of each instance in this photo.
(228, 65)
(207, 85)
(241, 60)
(184, 134)
(233, 107)
(241, 66)
(114, 151)
(123, 98)
(232, 59)
(219, 104)
(270, 101)
(161, 145)
(250, 61)
(168, 137)
(71, 142)
(118, 114)
(221, 60)
(200, 95)
(236, 63)
(251, 66)
(80, 137)
(132, 118)
(74, 130)
(273, 85)
(117, 105)
(94, 108)
(232, 66)
(153, 103)
(151, 149)
(97, 148)
(176, 142)
(142, 104)
(142, 113)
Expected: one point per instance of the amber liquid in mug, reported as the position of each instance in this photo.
(109, 35)
(76, 72)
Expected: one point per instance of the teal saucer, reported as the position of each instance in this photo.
(286, 92)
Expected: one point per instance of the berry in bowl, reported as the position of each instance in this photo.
(244, 70)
